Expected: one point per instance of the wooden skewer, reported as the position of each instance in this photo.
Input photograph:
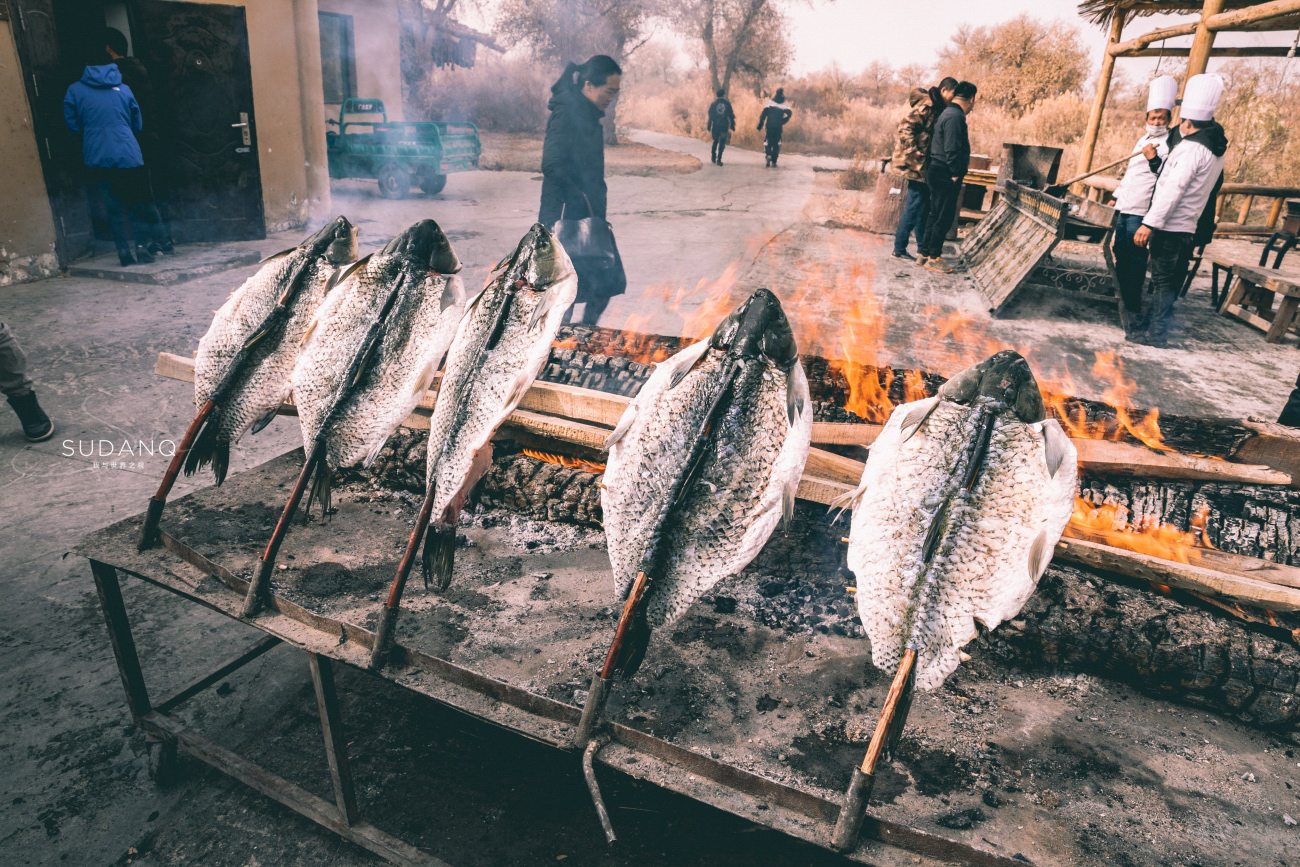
(149, 533)
(599, 692)
(259, 587)
(849, 823)
(392, 606)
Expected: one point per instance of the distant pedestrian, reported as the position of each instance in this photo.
(949, 160)
(106, 115)
(1188, 182)
(1133, 196)
(136, 77)
(722, 120)
(776, 114)
(573, 169)
(17, 388)
(911, 153)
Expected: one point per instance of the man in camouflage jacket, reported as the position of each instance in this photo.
(910, 153)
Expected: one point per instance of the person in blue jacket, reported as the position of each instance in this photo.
(103, 111)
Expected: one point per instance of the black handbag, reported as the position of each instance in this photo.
(591, 246)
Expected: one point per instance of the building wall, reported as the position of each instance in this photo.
(376, 39)
(26, 221)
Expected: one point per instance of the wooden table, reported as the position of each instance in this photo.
(1255, 288)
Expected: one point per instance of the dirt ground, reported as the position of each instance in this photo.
(76, 782)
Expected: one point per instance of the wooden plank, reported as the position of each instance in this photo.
(595, 413)
(1182, 575)
(336, 743)
(1282, 321)
(238, 662)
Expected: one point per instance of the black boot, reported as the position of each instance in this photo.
(143, 256)
(126, 257)
(36, 424)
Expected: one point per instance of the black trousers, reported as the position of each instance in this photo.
(1130, 262)
(126, 193)
(1171, 253)
(944, 193)
(772, 145)
(719, 144)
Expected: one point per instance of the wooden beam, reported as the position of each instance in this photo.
(1140, 42)
(1093, 129)
(1250, 14)
(1199, 56)
(1226, 51)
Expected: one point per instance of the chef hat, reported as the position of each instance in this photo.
(1201, 97)
(1164, 90)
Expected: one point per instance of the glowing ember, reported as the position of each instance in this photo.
(566, 461)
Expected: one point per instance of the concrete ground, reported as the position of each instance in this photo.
(75, 785)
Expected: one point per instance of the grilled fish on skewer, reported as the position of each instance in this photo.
(411, 293)
(703, 464)
(244, 360)
(500, 347)
(962, 501)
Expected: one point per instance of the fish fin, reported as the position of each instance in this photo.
(264, 420)
(351, 269)
(539, 312)
(795, 405)
(1055, 446)
(631, 653)
(279, 255)
(685, 362)
(1040, 554)
(311, 329)
(847, 501)
(439, 555)
(336, 275)
(472, 489)
(321, 490)
(787, 503)
(518, 389)
(207, 449)
(452, 294)
(916, 417)
(624, 425)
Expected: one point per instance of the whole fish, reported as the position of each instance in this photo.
(702, 466)
(374, 346)
(244, 361)
(500, 348)
(962, 501)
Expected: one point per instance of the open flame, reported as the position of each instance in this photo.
(1110, 523)
(566, 461)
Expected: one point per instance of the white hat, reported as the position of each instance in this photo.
(1201, 97)
(1163, 92)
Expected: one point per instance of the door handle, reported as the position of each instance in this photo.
(242, 126)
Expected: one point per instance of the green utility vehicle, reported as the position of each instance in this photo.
(398, 153)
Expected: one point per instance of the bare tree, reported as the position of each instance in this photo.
(1019, 62)
(739, 37)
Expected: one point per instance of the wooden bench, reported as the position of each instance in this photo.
(1256, 288)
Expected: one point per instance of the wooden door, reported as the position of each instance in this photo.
(198, 61)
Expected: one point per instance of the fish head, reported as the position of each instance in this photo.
(538, 261)
(336, 242)
(427, 246)
(1004, 378)
(758, 328)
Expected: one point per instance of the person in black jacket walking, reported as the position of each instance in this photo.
(949, 160)
(573, 166)
(776, 114)
(722, 120)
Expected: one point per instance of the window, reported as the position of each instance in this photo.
(337, 62)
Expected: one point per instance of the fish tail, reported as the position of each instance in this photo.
(322, 489)
(439, 556)
(208, 449)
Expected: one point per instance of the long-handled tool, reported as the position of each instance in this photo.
(1058, 190)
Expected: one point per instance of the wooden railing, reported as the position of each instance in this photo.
(1100, 189)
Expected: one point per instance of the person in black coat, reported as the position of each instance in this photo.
(573, 165)
(776, 114)
(722, 120)
(945, 172)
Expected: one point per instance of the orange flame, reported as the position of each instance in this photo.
(566, 461)
(1110, 523)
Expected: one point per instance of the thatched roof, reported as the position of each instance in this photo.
(1101, 11)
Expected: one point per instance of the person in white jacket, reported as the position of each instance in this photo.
(1133, 195)
(1187, 183)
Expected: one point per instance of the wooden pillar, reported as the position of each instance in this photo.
(1202, 42)
(1103, 90)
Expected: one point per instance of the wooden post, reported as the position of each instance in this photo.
(1244, 214)
(1103, 90)
(1275, 212)
(1202, 42)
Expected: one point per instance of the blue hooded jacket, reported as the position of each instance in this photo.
(104, 111)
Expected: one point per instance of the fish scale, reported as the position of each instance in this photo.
(981, 570)
(753, 461)
(357, 418)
